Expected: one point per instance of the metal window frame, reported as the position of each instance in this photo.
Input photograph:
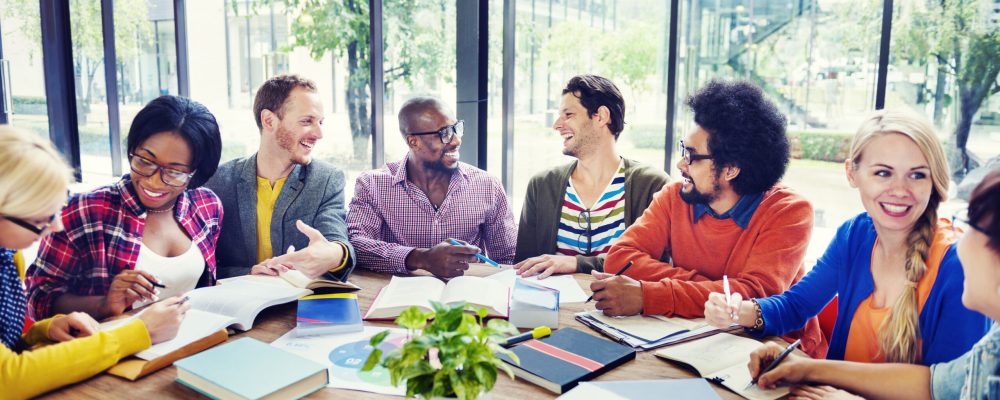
(111, 86)
(471, 77)
(376, 47)
(60, 93)
(883, 55)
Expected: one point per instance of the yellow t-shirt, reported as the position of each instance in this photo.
(267, 196)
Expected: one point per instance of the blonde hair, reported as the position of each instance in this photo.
(31, 173)
(899, 338)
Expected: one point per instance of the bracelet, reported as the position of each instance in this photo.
(758, 322)
(343, 261)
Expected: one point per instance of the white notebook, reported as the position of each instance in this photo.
(723, 359)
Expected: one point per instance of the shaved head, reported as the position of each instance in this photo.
(420, 114)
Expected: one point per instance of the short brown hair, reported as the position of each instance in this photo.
(273, 93)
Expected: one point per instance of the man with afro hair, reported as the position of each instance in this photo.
(728, 216)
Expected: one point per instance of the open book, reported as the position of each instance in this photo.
(648, 332)
(723, 359)
(297, 279)
(401, 293)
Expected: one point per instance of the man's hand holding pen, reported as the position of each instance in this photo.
(616, 295)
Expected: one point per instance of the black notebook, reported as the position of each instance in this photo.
(560, 361)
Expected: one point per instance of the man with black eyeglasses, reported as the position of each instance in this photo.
(429, 211)
(728, 217)
(573, 213)
(285, 210)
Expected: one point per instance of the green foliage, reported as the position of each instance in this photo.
(820, 146)
(645, 136)
(454, 355)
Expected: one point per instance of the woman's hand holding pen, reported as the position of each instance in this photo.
(128, 287)
(163, 319)
(793, 369)
(72, 326)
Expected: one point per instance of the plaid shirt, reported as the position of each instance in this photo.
(102, 236)
(390, 217)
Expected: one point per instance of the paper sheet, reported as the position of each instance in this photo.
(569, 289)
(345, 354)
(196, 325)
(647, 328)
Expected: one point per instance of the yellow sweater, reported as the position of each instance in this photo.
(50, 365)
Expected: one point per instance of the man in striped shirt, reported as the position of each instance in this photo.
(404, 216)
(574, 212)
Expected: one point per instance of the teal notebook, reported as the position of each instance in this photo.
(250, 369)
(327, 314)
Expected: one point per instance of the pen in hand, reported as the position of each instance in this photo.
(479, 256)
(621, 271)
(774, 363)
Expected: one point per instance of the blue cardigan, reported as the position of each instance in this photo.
(947, 328)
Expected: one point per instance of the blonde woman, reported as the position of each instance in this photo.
(894, 267)
(33, 187)
(971, 376)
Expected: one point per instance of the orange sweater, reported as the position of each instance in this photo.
(679, 262)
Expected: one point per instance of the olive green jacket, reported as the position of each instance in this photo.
(536, 233)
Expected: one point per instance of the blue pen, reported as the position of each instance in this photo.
(480, 256)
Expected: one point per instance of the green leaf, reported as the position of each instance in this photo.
(372, 360)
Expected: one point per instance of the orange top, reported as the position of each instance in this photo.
(679, 262)
(862, 340)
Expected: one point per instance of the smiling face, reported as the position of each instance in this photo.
(300, 127)
(702, 184)
(577, 129)
(893, 178)
(428, 149)
(165, 149)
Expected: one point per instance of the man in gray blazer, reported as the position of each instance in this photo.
(280, 198)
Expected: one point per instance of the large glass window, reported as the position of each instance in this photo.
(22, 60)
(625, 41)
(234, 46)
(419, 60)
(939, 67)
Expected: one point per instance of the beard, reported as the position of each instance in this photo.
(286, 140)
(694, 196)
(438, 165)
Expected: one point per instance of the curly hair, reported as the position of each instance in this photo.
(746, 130)
(984, 209)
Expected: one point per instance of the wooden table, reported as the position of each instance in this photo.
(276, 321)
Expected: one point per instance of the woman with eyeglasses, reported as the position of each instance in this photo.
(974, 375)
(894, 267)
(148, 236)
(65, 348)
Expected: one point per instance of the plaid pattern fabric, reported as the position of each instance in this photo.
(390, 216)
(102, 236)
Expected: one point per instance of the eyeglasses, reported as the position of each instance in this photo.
(584, 216)
(447, 133)
(171, 177)
(962, 217)
(36, 229)
(690, 158)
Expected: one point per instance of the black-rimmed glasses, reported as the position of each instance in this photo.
(582, 218)
(169, 176)
(36, 229)
(690, 158)
(448, 133)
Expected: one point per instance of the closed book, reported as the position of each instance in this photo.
(567, 357)
(250, 369)
(328, 313)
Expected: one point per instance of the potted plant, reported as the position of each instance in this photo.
(455, 355)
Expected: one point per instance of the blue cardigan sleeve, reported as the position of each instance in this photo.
(791, 310)
(947, 327)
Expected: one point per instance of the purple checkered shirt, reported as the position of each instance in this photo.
(390, 217)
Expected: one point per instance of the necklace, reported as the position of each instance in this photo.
(159, 211)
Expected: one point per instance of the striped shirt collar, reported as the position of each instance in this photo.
(740, 213)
